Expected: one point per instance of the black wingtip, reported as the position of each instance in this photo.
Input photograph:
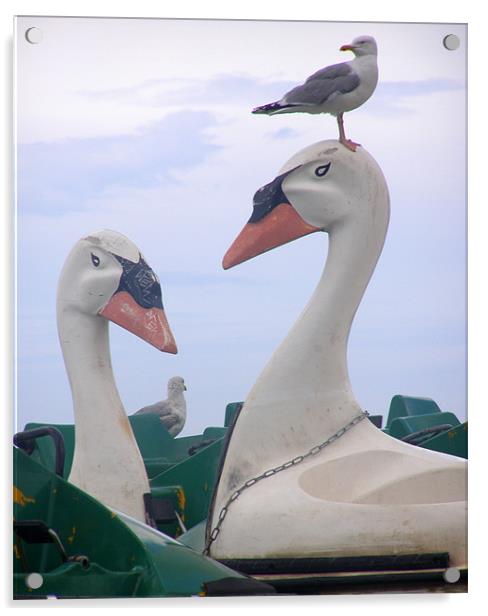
(269, 108)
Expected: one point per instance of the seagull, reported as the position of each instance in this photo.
(334, 89)
(172, 411)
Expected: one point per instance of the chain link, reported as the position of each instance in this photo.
(273, 471)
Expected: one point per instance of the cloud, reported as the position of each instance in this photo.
(220, 89)
(62, 176)
(403, 89)
(251, 91)
(390, 97)
(284, 133)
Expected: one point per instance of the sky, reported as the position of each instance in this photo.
(144, 126)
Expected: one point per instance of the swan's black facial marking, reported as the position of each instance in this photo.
(322, 170)
(268, 197)
(95, 260)
(139, 280)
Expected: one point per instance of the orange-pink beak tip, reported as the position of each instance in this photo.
(170, 348)
(227, 262)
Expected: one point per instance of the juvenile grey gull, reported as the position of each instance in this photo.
(334, 89)
(171, 412)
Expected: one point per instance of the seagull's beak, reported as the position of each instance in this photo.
(138, 307)
(347, 48)
(274, 222)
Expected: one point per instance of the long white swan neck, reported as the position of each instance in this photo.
(107, 462)
(352, 256)
(85, 345)
(311, 363)
(304, 395)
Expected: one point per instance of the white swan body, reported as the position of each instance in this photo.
(106, 278)
(366, 493)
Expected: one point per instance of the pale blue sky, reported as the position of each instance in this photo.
(145, 127)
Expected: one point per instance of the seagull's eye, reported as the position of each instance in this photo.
(322, 170)
(95, 260)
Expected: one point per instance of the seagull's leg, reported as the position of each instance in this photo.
(351, 145)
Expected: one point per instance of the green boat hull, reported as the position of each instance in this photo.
(121, 556)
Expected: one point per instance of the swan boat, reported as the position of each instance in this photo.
(304, 475)
(105, 278)
(94, 535)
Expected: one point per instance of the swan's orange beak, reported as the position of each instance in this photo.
(279, 227)
(150, 324)
(137, 305)
(274, 222)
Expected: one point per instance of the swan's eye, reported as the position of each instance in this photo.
(322, 170)
(95, 260)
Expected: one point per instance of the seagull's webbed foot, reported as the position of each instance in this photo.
(350, 145)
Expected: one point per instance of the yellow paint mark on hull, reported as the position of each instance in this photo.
(71, 538)
(21, 499)
(181, 502)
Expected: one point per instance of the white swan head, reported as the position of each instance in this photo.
(106, 275)
(321, 187)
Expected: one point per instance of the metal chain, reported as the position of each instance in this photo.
(273, 471)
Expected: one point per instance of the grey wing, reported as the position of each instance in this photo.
(171, 420)
(335, 79)
(159, 408)
(152, 408)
